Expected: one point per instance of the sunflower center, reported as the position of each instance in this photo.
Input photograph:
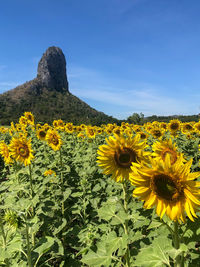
(157, 133)
(124, 157)
(30, 118)
(143, 136)
(188, 127)
(172, 154)
(166, 188)
(24, 151)
(91, 132)
(42, 134)
(55, 140)
(174, 126)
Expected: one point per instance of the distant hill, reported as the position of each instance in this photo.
(48, 97)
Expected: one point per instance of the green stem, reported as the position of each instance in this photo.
(179, 259)
(3, 234)
(28, 247)
(32, 195)
(62, 185)
(127, 254)
(31, 181)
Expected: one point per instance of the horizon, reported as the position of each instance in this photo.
(123, 57)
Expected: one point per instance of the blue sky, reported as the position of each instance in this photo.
(123, 56)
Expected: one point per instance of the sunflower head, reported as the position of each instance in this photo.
(187, 128)
(53, 139)
(169, 187)
(163, 148)
(49, 172)
(197, 127)
(90, 131)
(20, 150)
(30, 118)
(117, 156)
(143, 135)
(69, 128)
(41, 134)
(157, 132)
(4, 151)
(23, 120)
(174, 126)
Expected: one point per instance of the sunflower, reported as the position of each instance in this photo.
(41, 134)
(53, 139)
(49, 172)
(61, 123)
(30, 118)
(163, 148)
(81, 135)
(55, 123)
(20, 150)
(187, 128)
(171, 188)
(117, 130)
(174, 126)
(197, 127)
(91, 132)
(69, 128)
(4, 151)
(117, 155)
(157, 132)
(108, 130)
(143, 135)
(23, 120)
(163, 125)
(99, 130)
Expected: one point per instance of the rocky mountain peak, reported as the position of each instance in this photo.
(51, 72)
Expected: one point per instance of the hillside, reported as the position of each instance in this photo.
(48, 97)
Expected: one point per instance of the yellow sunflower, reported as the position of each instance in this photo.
(187, 128)
(49, 172)
(157, 132)
(23, 120)
(69, 128)
(174, 126)
(91, 132)
(117, 130)
(4, 151)
(30, 118)
(166, 147)
(143, 135)
(108, 130)
(53, 139)
(61, 123)
(171, 188)
(20, 150)
(41, 134)
(197, 127)
(116, 157)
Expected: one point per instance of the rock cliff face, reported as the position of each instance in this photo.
(51, 71)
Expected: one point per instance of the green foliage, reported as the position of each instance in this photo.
(47, 105)
(81, 217)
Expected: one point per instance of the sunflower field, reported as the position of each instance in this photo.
(84, 195)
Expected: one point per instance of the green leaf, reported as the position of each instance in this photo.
(62, 225)
(45, 244)
(154, 224)
(66, 194)
(155, 255)
(94, 259)
(107, 212)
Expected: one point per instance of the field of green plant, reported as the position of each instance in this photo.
(113, 195)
